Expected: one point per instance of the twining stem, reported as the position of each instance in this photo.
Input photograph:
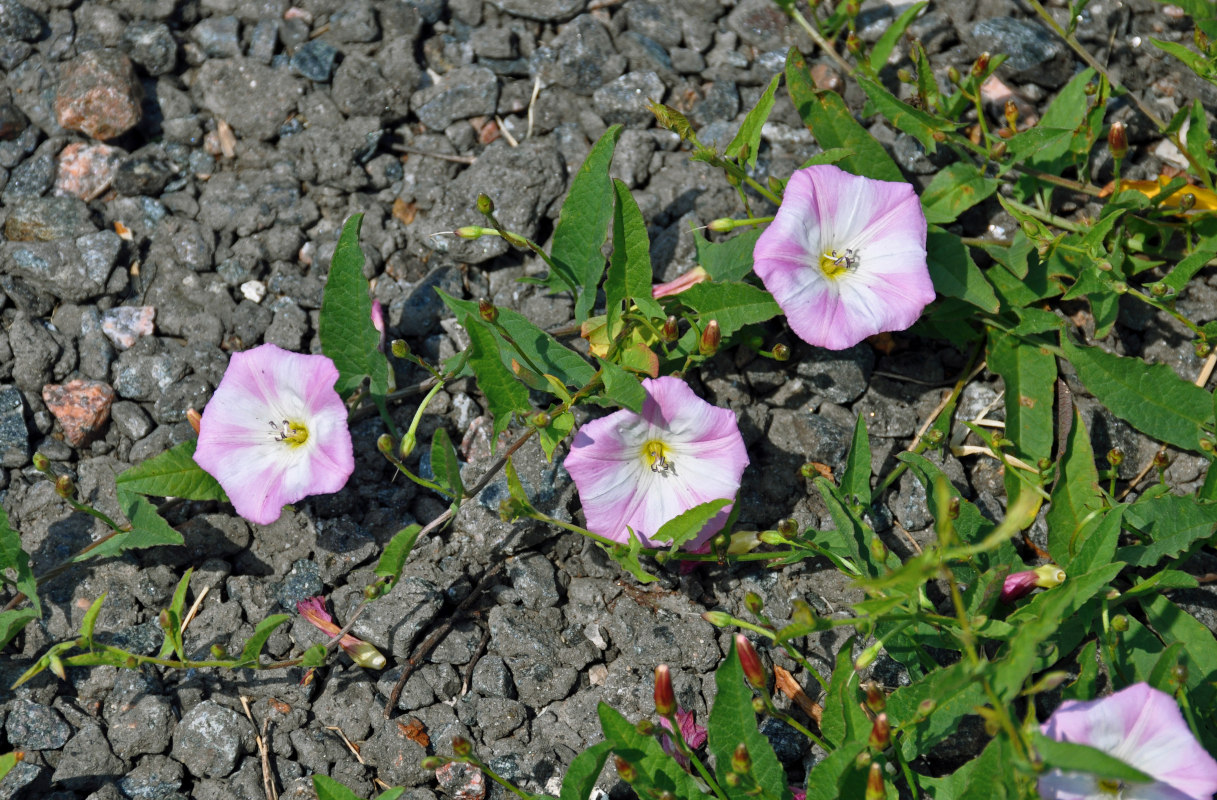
(821, 42)
(1044, 216)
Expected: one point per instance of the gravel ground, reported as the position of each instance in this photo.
(173, 175)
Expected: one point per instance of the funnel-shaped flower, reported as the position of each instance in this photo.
(845, 257)
(1021, 584)
(693, 734)
(275, 431)
(640, 471)
(1142, 727)
(362, 653)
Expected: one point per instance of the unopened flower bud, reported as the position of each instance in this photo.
(1011, 114)
(953, 507)
(365, 655)
(55, 663)
(461, 746)
(1202, 348)
(163, 619)
(665, 699)
(953, 75)
(721, 225)
(880, 733)
(758, 705)
(853, 44)
(218, 652)
(41, 462)
(982, 64)
(781, 352)
(876, 700)
(741, 760)
(1161, 460)
(998, 150)
(775, 185)
(670, 330)
(485, 204)
(867, 657)
(487, 310)
(1117, 140)
(65, 487)
(408, 443)
(733, 779)
(939, 136)
(1021, 584)
(753, 602)
(934, 437)
(878, 550)
(1119, 623)
(1159, 289)
(1115, 456)
(1187, 201)
(874, 782)
(194, 418)
(710, 339)
(1119, 287)
(645, 727)
(433, 762)
(904, 76)
(399, 348)
(372, 591)
(1179, 674)
(1090, 88)
(472, 231)
(925, 708)
(541, 420)
(384, 443)
(625, 770)
(719, 619)
(720, 543)
(754, 672)
(788, 527)
(1207, 445)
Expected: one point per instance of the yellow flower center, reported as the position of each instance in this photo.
(835, 262)
(1109, 786)
(291, 433)
(655, 453)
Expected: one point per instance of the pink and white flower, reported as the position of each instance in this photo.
(1142, 727)
(362, 653)
(275, 431)
(636, 472)
(845, 257)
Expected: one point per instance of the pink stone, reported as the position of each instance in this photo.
(85, 170)
(461, 781)
(82, 408)
(99, 94)
(124, 324)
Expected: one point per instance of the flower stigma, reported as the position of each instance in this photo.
(833, 263)
(1111, 787)
(293, 433)
(656, 456)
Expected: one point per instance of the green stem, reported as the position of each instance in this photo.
(820, 41)
(1144, 298)
(1045, 216)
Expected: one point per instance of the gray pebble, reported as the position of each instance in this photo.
(210, 739)
(151, 45)
(32, 726)
(14, 436)
(625, 99)
(315, 60)
(87, 760)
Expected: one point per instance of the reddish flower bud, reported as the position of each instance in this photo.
(876, 700)
(874, 782)
(981, 65)
(1021, 584)
(750, 661)
(670, 330)
(461, 746)
(625, 770)
(41, 462)
(1117, 140)
(665, 699)
(691, 278)
(781, 352)
(64, 487)
(710, 338)
(487, 310)
(880, 733)
(753, 602)
(1011, 112)
(485, 204)
(741, 760)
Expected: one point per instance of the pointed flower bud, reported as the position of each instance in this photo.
(868, 656)
(41, 462)
(670, 331)
(487, 310)
(880, 733)
(754, 603)
(473, 231)
(665, 699)
(874, 782)
(194, 418)
(362, 653)
(754, 672)
(1021, 584)
(719, 619)
(743, 542)
(721, 225)
(981, 65)
(485, 204)
(876, 700)
(741, 760)
(678, 285)
(55, 663)
(64, 487)
(1117, 140)
(710, 339)
(1011, 113)
(433, 762)
(1115, 456)
(408, 443)
(625, 770)
(461, 746)
(384, 443)
(781, 352)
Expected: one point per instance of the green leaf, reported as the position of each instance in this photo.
(393, 558)
(444, 464)
(1098, 543)
(1194, 61)
(1073, 757)
(7, 762)
(913, 121)
(1185, 270)
(1198, 10)
(391, 794)
(1150, 397)
(13, 557)
(1029, 373)
(734, 305)
(882, 50)
(686, 525)
(90, 619)
(833, 126)
(1023, 145)
(657, 771)
(621, 387)
(954, 190)
(1068, 111)
(583, 223)
(1173, 624)
(729, 260)
(855, 481)
(175, 613)
(954, 272)
(346, 331)
(173, 473)
(1173, 523)
(843, 721)
(315, 656)
(542, 349)
(986, 777)
(11, 623)
(626, 556)
(504, 394)
(558, 429)
(584, 771)
(733, 722)
(629, 272)
(1011, 672)
(255, 643)
(1085, 687)
(747, 141)
(1075, 495)
(823, 782)
(330, 789)
(148, 529)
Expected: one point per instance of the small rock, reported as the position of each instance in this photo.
(12, 122)
(253, 291)
(124, 324)
(759, 23)
(98, 95)
(31, 178)
(839, 376)
(19, 22)
(45, 219)
(541, 10)
(82, 408)
(210, 739)
(251, 97)
(354, 22)
(74, 271)
(463, 93)
(132, 421)
(151, 45)
(582, 58)
(86, 170)
(32, 726)
(156, 777)
(1036, 56)
(87, 760)
(218, 37)
(263, 40)
(625, 99)
(655, 21)
(143, 174)
(14, 436)
(315, 60)
(461, 781)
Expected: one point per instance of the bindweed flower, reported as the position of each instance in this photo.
(362, 653)
(693, 734)
(690, 278)
(639, 471)
(1142, 727)
(845, 257)
(275, 431)
(1021, 584)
